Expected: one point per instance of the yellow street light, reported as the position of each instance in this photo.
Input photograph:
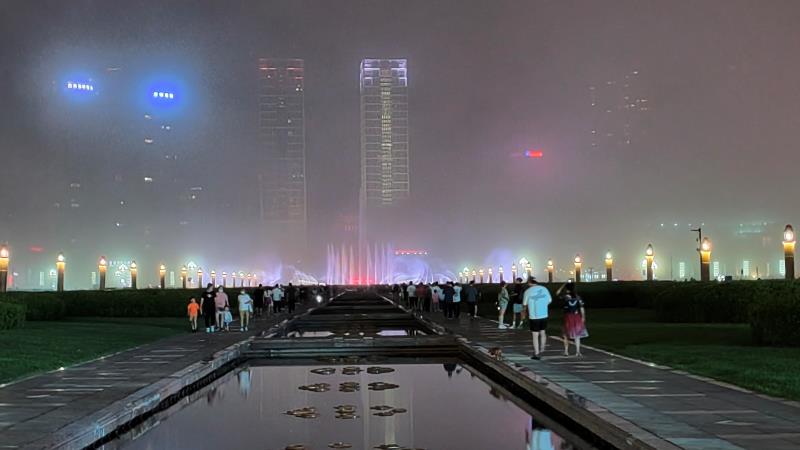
(60, 263)
(474, 274)
(789, 240)
(162, 276)
(134, 274)
(514, 272)
(241, 279)
(649, 254)
(5, 257)
(224, 279)
(578, 265)
(550, 269)
(480, 272)
(102, 267)
(214, 278)
(500, 273)
(490, 275)
(184, 274)
(705, 259)
(529, 269)
(609, 266)
(199, 277)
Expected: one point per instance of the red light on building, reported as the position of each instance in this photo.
(36, 249)
(534, 154)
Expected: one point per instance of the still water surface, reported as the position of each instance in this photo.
(438, 407)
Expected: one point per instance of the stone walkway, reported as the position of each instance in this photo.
(688, 411)
(57, 409)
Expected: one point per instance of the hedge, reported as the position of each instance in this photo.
(12, 315)
(775, 318)
(710, 302)
(38, 305)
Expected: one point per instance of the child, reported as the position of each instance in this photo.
(193, 309)
(227, 318)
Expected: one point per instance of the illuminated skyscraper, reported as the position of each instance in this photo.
(282, 171)
(384, 132)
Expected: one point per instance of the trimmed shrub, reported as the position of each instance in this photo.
(775, 317)
(134, 303)
(12, 315)
(709, 302)
(38, 305)
(616, 294)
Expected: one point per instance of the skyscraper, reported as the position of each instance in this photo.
(384, 132)
(282, 166)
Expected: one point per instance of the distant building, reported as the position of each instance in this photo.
(385, 165)
(618, 107)
(282, 171)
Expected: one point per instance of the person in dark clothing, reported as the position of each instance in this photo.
(291, 297)
(207, 307)
(472, 299)
(404, 293)
(396, 292)
(258, 300)
(516, 301)
(449, 292)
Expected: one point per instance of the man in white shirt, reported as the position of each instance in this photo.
(412, 296)
(536, 300)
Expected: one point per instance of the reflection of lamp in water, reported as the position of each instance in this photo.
(4, 258)
(102, 267)
(162, 276)
(134, 274)
(789, 241)
(705, 260)
(609, 267)
(578, 265)
(480, 272)
(550, 269)
(60, 262)
(649, 254)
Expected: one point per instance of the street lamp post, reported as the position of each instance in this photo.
(705, 260)
(480, 272)
(233, 278)
(214, 278)
(528, 269)
(241, 279)
(514, 272)
(649, 254)
(789, 241)
(609, 266)
(224, 279)
(500, 273)
(249, 279)
(4, 258)
(60, 263)
(102, 268)
(490, 275)
(184, 274)
(474, 274)
(134, 274)
(550, 269)
(578, 265)
(199, 277)
(162, 276)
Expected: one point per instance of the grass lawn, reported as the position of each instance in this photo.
(720, 351)
(44, 346)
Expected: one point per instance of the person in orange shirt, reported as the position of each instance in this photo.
(193, 309)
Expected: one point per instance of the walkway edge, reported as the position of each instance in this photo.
(608, 426)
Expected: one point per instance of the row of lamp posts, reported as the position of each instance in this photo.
(102, 267)
(789, 241)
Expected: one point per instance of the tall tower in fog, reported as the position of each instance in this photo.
(385, 174)
(282, 137)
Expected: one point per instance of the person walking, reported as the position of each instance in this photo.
(574, 326)
(193, 309)
(422, 292)
(258, 301)
(245, 309)
(291, 297)
(277, 298)
(208, 308)
(502, 304)
(536, 299)
(516, 301)
(426, 298)
(404, 293)
(471, 293)
(221, 303)
(448, 292)
(436, 295)
(411, 291)
(457, 301)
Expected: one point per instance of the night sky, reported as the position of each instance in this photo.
(488, 80)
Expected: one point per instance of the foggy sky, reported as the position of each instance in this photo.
(487, 79)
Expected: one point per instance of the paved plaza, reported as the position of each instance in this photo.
(688, 411)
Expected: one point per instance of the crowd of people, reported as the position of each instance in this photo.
(529, 302)
(215, 306)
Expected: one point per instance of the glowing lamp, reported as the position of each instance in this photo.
(649, 253)
(162, 276)
(60, 265)
(705, 259)
(609, 266)
(134, 274)
(103, 269)
(789, 240)
(578, 264)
